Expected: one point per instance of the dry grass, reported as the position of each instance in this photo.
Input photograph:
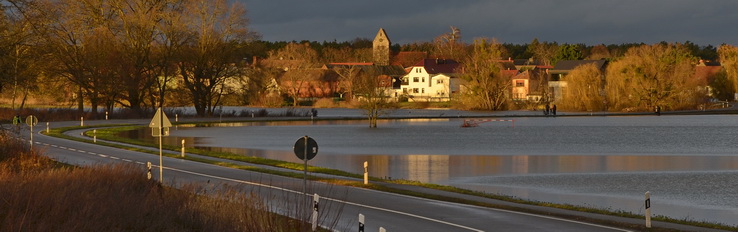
(37, 194)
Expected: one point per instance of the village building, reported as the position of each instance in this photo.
(531, 85)
(556, 83)
(430, 80)
(381, 48)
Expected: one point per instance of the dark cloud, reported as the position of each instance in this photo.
(515, 21)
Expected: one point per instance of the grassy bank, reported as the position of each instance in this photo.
(39, 194)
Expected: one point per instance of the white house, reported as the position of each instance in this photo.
(430, 80)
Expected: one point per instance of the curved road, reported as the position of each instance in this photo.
(339, 205)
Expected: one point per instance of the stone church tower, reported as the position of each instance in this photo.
(381, 50)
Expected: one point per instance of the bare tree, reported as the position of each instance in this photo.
(373, 90)
(485, 86)
(210, 58)
(449, 45)
(543, 52)
(299, 62)
(348, 75)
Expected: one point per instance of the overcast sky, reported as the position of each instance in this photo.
(510, 21)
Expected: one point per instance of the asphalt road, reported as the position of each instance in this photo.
(340, 206)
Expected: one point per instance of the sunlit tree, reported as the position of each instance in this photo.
(584, 89)
(653, 75)
(485, 87)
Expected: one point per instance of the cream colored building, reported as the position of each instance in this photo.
(430, 80)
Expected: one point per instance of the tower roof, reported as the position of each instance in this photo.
(382, 37)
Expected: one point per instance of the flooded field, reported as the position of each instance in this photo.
(689, 163)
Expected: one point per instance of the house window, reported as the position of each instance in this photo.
(423, 79)
(519, 84)
(415, 90)
(416, 79)
(404, 90)
(439, 81)
(422, 90)
(417, 70)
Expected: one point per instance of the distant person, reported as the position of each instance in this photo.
(658, 110)
(553, 110)
(315, 112)
(545, 112)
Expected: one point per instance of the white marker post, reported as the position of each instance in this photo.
(47, 127)
(31, 121)
(361, 222)
(94, 136)
(148, 173)
(381, 229)
(106, 115)
(314, 220)
(183, 149)
(366, 172)
(648, 209)
(81, 121)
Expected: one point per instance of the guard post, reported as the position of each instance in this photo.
(183, 149)
(361, 222)
(366, 172)
(148, 172)
(31, 121)
(647, 205)
(314, 219)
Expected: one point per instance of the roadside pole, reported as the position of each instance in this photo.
(161, 153)
(159, 128)
(31, 121)
(366, 172)
(648, 209)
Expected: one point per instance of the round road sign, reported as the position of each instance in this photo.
(301, 146)
(31, 120)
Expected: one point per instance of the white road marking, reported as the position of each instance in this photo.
(362, 205)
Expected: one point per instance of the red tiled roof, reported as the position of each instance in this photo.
(406, 59)
(706, 72)
(352, 63)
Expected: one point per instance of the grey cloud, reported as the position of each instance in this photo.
(515, 21)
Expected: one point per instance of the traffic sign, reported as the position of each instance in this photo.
(31, 120)
(301, 146)
(160, 120)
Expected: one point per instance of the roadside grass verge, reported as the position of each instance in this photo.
(110, 134)
(39, 194)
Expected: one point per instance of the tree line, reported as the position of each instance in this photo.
(141, 54)
(122, 52)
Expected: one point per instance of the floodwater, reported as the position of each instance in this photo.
(688, 163)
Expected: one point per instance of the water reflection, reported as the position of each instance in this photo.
(442, 168)
(605, 162)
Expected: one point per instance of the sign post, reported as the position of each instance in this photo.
(305, 149)
(159, 128)
(31, 121)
